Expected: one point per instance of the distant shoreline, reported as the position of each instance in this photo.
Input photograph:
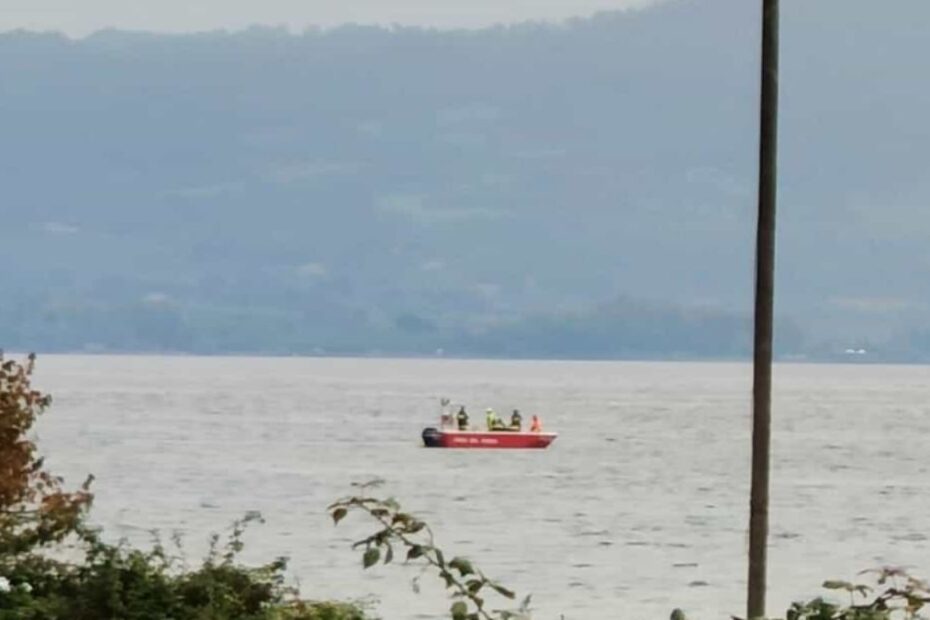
(864, 360)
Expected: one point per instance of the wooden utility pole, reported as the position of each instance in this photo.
(765, 293)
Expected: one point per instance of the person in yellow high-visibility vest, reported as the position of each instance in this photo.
(491, 419)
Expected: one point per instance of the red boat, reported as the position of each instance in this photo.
(451, 438)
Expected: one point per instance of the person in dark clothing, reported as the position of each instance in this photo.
(462, 418)
(516, 421)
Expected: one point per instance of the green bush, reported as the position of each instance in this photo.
(40, 520)
(119, 582)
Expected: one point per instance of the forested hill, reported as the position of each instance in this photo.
(584, 189)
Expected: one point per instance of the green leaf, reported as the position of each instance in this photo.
(389, 555)
(474, 586)
(462, 565)
(439, 559)
(502, 590)
(459, 610)
(414, 552)
(371, 557)
(338, 515)
(838, 585)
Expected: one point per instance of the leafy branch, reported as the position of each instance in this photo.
(35, 510)
(900, 595)
(401, 529)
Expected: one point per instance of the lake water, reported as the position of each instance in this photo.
(640, 506)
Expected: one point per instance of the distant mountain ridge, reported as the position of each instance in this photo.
(520, 191)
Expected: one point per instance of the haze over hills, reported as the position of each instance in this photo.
(575, 190)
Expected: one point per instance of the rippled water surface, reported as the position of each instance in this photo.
(640, 506)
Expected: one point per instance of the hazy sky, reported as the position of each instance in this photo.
(80, 17)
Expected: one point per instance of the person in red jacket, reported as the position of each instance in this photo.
(536, 426)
